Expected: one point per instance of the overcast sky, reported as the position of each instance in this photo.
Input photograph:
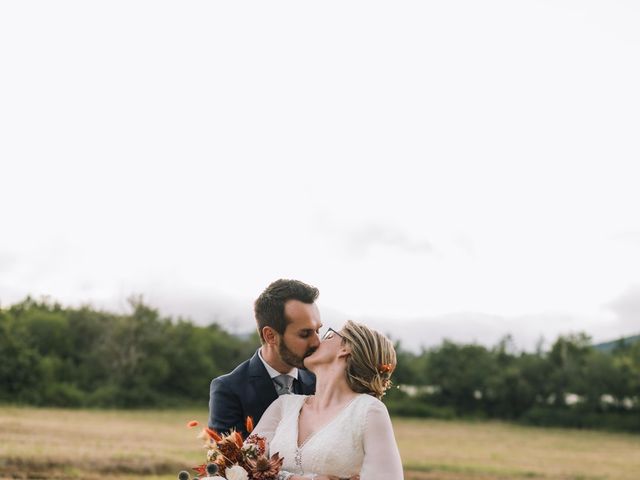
(464, 169)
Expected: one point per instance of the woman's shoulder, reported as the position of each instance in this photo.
(291, 400)
(286, 405)
(368, 403)
(372, 405)
(367, 399)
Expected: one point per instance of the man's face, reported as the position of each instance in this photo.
(300, 338)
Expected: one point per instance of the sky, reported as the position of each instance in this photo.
(452, 169)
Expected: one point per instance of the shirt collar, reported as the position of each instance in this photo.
(272, 371)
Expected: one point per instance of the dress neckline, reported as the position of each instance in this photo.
(324, 427)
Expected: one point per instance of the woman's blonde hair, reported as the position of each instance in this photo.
(372, 359)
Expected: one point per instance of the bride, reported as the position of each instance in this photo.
(344, 430)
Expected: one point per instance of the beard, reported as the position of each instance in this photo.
(291, 358)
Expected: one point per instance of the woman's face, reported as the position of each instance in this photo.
(329, 349)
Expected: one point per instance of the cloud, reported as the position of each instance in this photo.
(367, 237)
(25, 270)
(488, 329)
(632, 236)
(465, 243)
(626, 307)
(432, 331)
(7, 261)
(203, 306)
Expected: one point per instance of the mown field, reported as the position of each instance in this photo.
(56, 444)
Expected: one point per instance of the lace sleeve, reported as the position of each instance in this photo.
(270, 420)
(381, 456)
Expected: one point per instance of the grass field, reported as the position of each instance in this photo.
(47, 443)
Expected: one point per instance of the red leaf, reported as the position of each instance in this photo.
(201, 469)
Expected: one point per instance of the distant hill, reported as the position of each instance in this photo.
(609, 346)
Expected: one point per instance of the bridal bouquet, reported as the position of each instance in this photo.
(230, 457)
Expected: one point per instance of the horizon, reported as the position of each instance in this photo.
(408, 328)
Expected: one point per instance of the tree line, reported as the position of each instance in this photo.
(52, 355)
(56, 356)
(572, 384)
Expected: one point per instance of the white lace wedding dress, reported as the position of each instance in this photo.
(358, 441)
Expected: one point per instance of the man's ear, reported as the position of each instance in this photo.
(270, 336)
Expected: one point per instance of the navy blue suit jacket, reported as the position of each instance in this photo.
(247, 392)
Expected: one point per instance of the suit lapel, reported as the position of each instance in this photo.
(262, 384)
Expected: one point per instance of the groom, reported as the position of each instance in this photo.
(288, 323)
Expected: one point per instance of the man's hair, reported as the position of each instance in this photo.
(269, 307)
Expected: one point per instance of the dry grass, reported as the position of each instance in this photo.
(494, 450)
(47, 443)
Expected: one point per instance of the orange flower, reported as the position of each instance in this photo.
(192, 423)
(249, 424)
(213, 434)
(238, 438)
(385, 368)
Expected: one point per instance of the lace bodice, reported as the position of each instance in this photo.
(357, 441)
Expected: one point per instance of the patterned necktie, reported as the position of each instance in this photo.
(283, 384)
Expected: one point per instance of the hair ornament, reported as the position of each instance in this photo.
(385, 368)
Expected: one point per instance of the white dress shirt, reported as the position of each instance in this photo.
(273, 373)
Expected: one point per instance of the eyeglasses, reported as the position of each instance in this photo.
(329, 334)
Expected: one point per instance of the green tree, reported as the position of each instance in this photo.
(461, 373)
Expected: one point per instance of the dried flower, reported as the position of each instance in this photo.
(222, 465)
(258, 442)
(229, 447)
(238, 439)
(236, 472)
(265, 468)
(230, 458)
(249, 451)
(213, 434)
(213, 454)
